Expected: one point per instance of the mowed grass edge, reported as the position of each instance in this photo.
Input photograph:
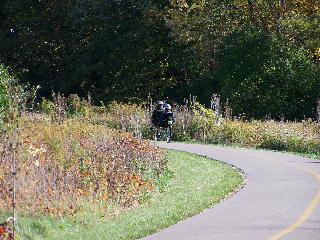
(197, 184)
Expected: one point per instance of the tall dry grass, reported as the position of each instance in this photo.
(64, 160)
(198, 123)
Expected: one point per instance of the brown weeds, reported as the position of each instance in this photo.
(197, 123)
(62, 164)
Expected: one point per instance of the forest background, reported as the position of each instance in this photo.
(261, 56)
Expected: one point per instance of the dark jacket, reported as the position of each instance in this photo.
(166, 117)
(157, 117)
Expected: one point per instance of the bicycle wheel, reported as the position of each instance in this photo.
(169, 134)
(157, 135)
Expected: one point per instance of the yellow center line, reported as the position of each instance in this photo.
(307, 211)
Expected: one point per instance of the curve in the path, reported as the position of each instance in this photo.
(279, 201)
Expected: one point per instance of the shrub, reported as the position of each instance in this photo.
(126, 117)
(197, 123)
(5, 79)
(47, 107)
(61, 107)
(62, 164)
(77, 106)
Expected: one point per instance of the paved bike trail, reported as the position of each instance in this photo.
(280, 200)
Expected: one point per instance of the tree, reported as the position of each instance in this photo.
(37, 35)
(126, 50)
(263, 76)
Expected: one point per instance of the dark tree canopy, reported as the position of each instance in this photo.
(261, 55)
(264, 76)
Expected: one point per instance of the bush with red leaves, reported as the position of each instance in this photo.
(5, 232)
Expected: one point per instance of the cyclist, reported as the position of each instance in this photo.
(156, 118)
(167, 117)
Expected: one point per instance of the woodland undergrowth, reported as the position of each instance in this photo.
(56, 161)
(216, 125)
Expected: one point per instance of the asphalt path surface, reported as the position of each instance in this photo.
(280, 200)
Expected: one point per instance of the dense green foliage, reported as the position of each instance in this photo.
(265, 76)
(4, 94)
(262, 55)
(4, 81)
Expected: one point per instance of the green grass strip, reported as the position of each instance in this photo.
(197, 184)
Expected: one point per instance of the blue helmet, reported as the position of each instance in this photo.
(167, 106)
(159, 103)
